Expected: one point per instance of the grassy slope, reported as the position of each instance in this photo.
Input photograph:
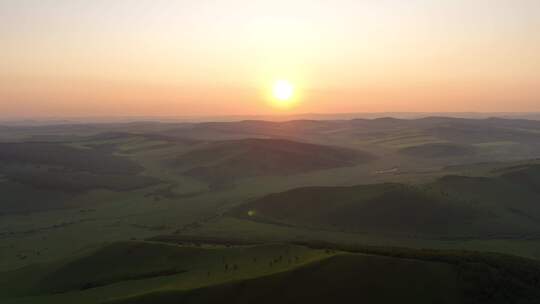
(450, 206)
(70, 221)
(130, 268)
(339, 279)
(391, 276)
(140, 272)
(41, 176)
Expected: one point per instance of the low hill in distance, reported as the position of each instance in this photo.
(78, 159)
(438, 150)
(223, 161)
(40, 176)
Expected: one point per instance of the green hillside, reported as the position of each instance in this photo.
(449, 206)
(130, 268)
(396, 276)
(41, 176)
(158, 273)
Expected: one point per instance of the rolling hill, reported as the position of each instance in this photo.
(436, 182)
(223, 161)
(38, 176)
(159, 273)
(133, 267)
(438, 150)
(413, 276)
(52, 154)
(378, 208)
(450, 206)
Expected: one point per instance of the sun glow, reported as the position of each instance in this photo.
(283, 93)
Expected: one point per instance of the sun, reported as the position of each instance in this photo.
(283, 91)
(283, 94)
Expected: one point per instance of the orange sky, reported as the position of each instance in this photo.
(173, 58)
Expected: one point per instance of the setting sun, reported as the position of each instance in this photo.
(283, 92)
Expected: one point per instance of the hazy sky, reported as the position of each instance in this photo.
(197, 57)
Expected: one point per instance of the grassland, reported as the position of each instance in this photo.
(101, 185)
